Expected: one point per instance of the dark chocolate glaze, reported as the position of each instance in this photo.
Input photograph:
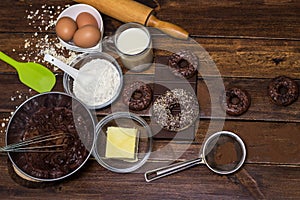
(283, 90)
(236, 101)
(137, 96)
(183, 64)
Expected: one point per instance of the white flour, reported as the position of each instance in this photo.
(97, 82)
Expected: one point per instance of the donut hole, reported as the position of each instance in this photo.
(282, 89)
(137, 94)
(175, 109)
(235, 100)
(182, 63)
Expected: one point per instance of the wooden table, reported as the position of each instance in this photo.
(250, 42)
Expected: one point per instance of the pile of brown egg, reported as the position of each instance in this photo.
(83, 31)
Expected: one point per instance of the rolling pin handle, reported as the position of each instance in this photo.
(168, 28)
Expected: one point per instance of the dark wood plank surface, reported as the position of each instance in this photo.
(250, 42)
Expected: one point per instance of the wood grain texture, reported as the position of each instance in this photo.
(257, 18)
(231, 57)
(248, 43)
(209, 98)
(97, 183)
(261, 108)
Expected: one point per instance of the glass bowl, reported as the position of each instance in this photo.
(142, 142)
(50, 114)
(79, 62)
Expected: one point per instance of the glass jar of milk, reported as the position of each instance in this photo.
(134, 46)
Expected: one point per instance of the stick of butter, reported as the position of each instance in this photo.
(121, 142)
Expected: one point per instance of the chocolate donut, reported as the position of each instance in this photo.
(137, 96)
(236, 101)
(183, 64)
(283, 90)
(175, 110)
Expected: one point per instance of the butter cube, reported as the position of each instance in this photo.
(121, 142)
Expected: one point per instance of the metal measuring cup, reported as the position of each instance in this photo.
(223, 152)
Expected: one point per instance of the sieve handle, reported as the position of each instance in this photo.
(152, 175)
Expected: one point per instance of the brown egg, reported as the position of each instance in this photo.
(87, 36)
(85, 18)
(65, 28)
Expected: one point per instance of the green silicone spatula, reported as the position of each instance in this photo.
(34, 75)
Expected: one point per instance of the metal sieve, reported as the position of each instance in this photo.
(223, 152)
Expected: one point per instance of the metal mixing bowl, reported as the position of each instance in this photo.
(48, 113)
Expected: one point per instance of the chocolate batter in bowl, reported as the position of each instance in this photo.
(51, 113)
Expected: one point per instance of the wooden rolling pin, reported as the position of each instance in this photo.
(132, 11)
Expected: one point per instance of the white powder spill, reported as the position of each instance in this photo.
(40, 43)
(4, 123)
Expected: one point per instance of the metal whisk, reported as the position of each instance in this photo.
(25, 146)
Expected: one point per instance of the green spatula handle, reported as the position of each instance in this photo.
(9, 60)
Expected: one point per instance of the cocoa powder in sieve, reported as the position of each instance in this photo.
(223, 153)
(226, 154)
